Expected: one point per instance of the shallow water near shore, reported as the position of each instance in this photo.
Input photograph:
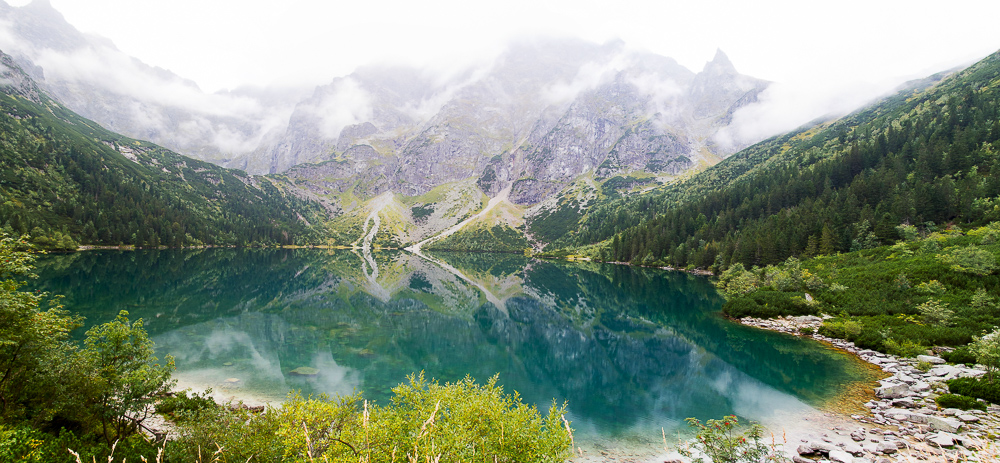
(634, 351)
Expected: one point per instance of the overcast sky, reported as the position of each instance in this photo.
(226, 43)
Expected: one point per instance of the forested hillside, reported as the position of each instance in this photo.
(923, 155)
(65, 180)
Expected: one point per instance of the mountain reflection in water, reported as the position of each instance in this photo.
(631, 349)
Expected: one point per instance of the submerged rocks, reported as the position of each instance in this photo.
(304, 371)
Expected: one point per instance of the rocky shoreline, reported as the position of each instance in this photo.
(903, 423)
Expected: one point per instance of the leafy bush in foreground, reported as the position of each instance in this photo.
(722, 442)
(454, 422)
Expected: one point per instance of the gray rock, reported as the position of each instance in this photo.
(853, 449)
(798, 459)
(941, 439)
(840, 456)
(930, 359)
(887, 448)
(824, 447)
(944, 424)
(805, 450)
(899, 414)
(971, 373)
(920, 386)
(945, 371)
(904, 402)
(892, 390)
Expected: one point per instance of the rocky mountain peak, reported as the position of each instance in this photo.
(720, 64)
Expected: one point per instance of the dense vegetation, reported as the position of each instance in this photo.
(921, 156)
(483, 238)
(935, 290)
(56, 396)
(64, 180)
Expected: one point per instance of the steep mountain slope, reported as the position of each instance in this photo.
(923, 156)
(93, 78)
(61, 173)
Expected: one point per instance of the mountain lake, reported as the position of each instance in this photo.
(634, 351)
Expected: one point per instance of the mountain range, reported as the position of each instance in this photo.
(556, 144)
(544, 116)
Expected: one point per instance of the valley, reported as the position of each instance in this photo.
(521, 215)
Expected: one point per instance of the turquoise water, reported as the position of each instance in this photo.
(632, 350)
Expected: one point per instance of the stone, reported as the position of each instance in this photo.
(930, 359)
(904, 402)
(232, 380)
(840, 456)
(941, 439)
(824, 447)
(951, 411)
(920, 386)
(853, 449)
(945, 371)
(887, 448)
(944, 424)
(899, 414)
(805, 450)
(892, 390)
(304, 371)
(971, 373)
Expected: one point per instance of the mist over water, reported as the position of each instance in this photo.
(632, 350)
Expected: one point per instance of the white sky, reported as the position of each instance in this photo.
(226, 43)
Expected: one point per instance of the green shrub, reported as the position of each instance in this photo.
(768, 304)
(960, 402)
(931, 287)
(806, 330)
(722, 442)
(959, 356)
(936, 312)
(22, 443)
(904, 348)
(969, 259)
(460, 421)
(181, 406)
(987, 351)
(976, 387)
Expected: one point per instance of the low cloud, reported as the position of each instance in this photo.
(157, 103)
(342, 104)
(785, 107)
(590, 76)
(663, 91)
